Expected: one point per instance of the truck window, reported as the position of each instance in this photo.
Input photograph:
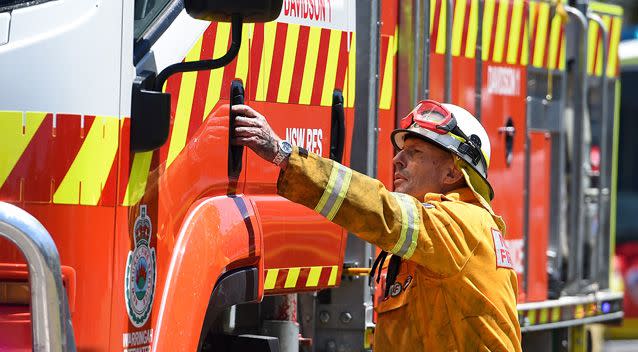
(8, 5)
(146, 11)
(627, 226)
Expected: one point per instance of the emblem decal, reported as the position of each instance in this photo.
(501, 251)
(395, 289)
(139, 281)
(407, 282)
(428, 205)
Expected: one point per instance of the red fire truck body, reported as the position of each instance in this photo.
(159, 248)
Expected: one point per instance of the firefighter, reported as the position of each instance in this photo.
(450, 282)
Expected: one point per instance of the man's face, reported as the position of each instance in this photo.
(420, 168)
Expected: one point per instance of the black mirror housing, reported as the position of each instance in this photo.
(223, 10)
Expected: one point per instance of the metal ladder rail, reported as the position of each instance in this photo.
(51, 321)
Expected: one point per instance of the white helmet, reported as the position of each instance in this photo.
(455, 129)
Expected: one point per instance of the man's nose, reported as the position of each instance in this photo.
(399, 160)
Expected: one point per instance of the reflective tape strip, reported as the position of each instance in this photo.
(409, 226)
(270, 29)
(216, 76)
(137, 180)
(333, 276)
(335, 191)
(543, 316)
(291, 278)
(182, 118)
(313, 276)
(16, 132)
(85, 180)
(300, 277)
(271, 279)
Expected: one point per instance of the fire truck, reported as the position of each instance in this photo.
(129, 222)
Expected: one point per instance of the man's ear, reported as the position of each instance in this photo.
(452, 174)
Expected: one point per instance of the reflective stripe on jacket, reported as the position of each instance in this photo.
(455, 291)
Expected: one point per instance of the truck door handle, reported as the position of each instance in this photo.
(509, 130)
(337, 127)
(235, 153)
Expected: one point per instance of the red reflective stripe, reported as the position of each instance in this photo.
(320, 73)
(300, 60)
(466, 27)
(343, 61)
(202, 81)
(256, 49)
(281, 278)
(172, 86)
(277, 61)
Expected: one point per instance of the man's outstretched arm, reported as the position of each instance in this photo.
(396, 222)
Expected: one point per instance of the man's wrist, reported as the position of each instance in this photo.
(284, 149)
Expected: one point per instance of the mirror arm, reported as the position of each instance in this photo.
(236, 27)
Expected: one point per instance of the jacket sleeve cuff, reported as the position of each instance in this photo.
(304, 178)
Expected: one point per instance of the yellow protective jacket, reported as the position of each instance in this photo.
(456, 289)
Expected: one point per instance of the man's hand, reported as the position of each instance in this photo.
(252, 130)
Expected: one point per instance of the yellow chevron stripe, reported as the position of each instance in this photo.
(554, 40)
(579, 311)
(515, 32)
(291, 279)
(561, 61)
(385, 100)
(288, 64)
(333, 276)
(243, 56)
(270, 29)
(313, 276)
(531, 317)
(541, 34)
(501, 26)
(472, 32)
(488, 19)
(601, 49)
(217, 75)
(606, 8)
(16, 131)
(331, 68)
(184, 106)
(137, 180)
(441, 35)
(457, 28)
(351, 71)
(310, 65)
(271, 279)
(614, 39)
(84, 181)
(555, 314)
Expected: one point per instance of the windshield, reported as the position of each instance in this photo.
(146, 11)
(627, 227)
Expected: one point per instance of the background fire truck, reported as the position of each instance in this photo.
(170, 238)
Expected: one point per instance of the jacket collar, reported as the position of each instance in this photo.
(464, 194)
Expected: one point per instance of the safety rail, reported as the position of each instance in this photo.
(51, 321)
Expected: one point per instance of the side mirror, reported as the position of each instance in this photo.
(223, 10)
